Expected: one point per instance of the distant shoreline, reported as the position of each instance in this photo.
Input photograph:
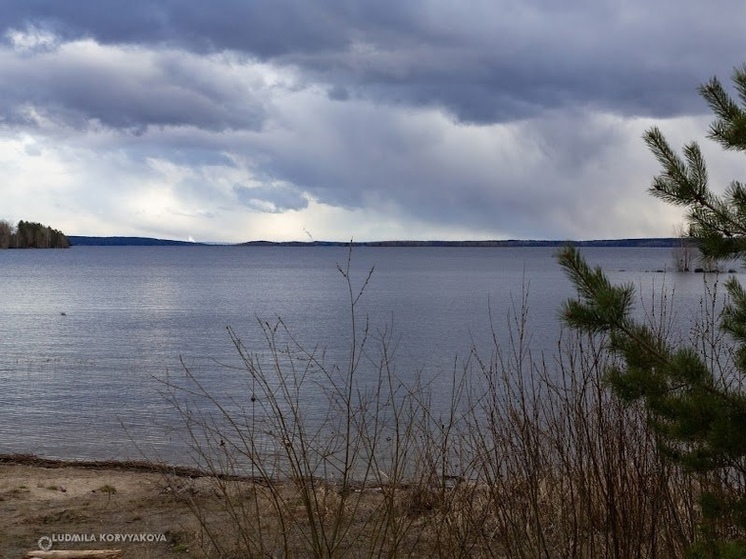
(666, 242)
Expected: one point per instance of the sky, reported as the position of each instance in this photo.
(296, 120)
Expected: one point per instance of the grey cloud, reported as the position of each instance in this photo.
(195, 156)
(344, 132)
(339, 93)
(33, 151)
(488, 62)
(262, 27)
(481, 82)
(156, 89)
(523, 179)
(271, 198)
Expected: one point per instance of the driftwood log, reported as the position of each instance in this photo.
(75, 554)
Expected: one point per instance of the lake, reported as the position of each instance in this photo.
(89, 334)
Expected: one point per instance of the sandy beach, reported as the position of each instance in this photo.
(95, 505)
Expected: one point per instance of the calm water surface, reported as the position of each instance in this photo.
(88, 334)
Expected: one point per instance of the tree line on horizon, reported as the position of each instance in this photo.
(31, 235)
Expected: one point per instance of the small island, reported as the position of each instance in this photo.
(31, 235)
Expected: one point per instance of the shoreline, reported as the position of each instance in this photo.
(136, 466)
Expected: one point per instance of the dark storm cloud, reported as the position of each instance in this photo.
(83, 82)
(264, 28)
(482, 61)
(523, 180)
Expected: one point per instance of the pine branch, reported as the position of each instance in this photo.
(670, 383)
(699, 418)
(728, 129)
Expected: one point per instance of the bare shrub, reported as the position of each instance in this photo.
(530, 457)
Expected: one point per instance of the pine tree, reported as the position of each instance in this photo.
(700, 419)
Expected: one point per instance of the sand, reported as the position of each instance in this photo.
(135, 507)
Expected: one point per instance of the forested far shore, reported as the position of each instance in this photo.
(31, 235)
(652, 242)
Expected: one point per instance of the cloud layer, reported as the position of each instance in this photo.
(236, 120)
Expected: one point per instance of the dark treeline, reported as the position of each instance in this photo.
(30, 235)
